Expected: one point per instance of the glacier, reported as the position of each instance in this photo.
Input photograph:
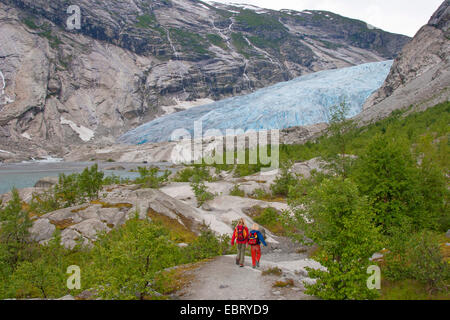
(305, 100)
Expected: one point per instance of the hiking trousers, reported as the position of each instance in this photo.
(256, 254)
(241, 253)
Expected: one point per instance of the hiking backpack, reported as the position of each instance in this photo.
(240, 232)
(253, 239)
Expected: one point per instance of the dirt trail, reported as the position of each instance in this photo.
(222, 279)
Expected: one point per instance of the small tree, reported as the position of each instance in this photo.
(281, 185)
(335, 217)
(386, 173)
(201, 193)
(66, 192)
(339, 129)
(150, 177)
(14, 225)
(90, 182)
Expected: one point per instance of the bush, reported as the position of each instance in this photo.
(261, 194)
(417, 256)
(115, 179)
(90, 182)
(127, 260)
(14, 225)
(399, 191)
(201, 193)
(235, 191)
(283, 181)
(268, 218)
(71, 190)
(194, 174)
(339, 220)
(150, 177)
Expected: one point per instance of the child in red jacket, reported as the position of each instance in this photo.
(255, 238)
(240, 234)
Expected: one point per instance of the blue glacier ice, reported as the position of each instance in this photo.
(305, 100)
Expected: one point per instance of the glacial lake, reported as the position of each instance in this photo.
(24, 175)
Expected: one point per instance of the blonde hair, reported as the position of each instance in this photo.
(255, 227)
(241, 222)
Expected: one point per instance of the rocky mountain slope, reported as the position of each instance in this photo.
(60, 88)
(420, 76)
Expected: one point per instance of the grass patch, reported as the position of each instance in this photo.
(284, 284)
(62, 224)
(179, 233)
(112, 205)
(146, 21)
(260, 22)
(217, 41)
(408, 290)
(171, 281)
(29, 22)
(275, 271)
(236, 192)
(78, 209)
(190, 42)
(242, 47)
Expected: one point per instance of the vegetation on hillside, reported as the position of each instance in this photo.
(393, 195)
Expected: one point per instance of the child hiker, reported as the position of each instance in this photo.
(254, 239)
(240, 234)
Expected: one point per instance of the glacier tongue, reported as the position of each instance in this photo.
(303, 101)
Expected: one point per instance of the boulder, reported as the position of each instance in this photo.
(70, 238)
(90, 228)
(42, 230)
(305, 168)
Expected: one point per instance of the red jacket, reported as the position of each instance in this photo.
(235, 236)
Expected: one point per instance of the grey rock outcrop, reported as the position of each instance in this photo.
(83, 223)
(46, 182)
(42, 230)
(420, 76)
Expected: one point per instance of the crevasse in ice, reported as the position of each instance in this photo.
(305, 100)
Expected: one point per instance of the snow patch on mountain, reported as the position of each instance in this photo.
(84, 133)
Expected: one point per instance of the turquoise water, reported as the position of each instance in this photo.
(24, 175)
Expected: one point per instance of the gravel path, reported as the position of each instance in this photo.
(222, 279)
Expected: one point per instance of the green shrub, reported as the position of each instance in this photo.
(284, 181)
(146, 21)
(235, 191)
(150, 177)
(14, 222)
(417, 256)
(193, 174)
(217, 41)
(115, 179)
(90, 182)
(340, 221)
(399, 190)
(201, 193)
(261, 194)
(126, 261)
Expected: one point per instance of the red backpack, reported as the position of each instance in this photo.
(253, 239)
(240, 232)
